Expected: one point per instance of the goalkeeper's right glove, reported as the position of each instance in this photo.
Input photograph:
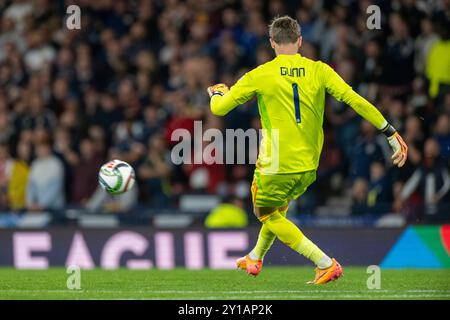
(217, 89)
(397, 144)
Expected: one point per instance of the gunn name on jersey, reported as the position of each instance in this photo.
(292, 72)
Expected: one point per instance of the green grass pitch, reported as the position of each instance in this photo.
(272, 283)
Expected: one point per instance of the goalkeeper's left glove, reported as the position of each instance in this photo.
(397, 144)
(218, 89)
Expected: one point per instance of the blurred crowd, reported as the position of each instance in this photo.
(137, 69)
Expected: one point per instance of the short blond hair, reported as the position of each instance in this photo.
(284, 30)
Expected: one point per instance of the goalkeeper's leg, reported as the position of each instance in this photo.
(269, 192)
(275, 224)
(290, 234)
(265, 239)
(263, 244)
(327, 269)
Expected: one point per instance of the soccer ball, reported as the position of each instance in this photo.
(116, 177)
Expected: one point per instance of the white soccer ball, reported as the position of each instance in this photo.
(116, 177)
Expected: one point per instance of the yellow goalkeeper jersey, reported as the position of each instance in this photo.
(290, 90)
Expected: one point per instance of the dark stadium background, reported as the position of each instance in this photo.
(137, 70)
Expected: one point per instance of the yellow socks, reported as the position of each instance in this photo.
(265, 241)
(307, 248)
(285, 230)
(289, 234)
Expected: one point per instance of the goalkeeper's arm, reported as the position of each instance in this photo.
(221, 102)
(337, 87)
(366, 110)
(224, 100)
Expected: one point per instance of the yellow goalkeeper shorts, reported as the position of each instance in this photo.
(277, 190)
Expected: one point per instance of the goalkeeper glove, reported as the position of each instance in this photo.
(397, 144)
(217, 89)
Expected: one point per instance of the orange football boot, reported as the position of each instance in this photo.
(329, 274)
(252, 267)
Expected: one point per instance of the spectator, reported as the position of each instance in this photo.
(431, 180)
(39, 52)
(85, 173)
(423, 43)
(153, 121)
(37, 115)
(108, 114)
(372, 65)
(442, 134)
(359, 197)
(366, 151)
(438, 62)
(379, 195)
(413, 131)
(6, 164)
(7, 130)
(127, 141)
(18, 11)
(155, 171)
(18, 178)
(398, 69)
(45, 190)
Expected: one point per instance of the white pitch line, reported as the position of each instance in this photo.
(221, 291)
(274, 297)
(306, 297)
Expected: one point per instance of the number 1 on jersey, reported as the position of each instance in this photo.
(296, 103)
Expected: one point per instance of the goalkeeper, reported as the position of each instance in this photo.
(290, 90)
